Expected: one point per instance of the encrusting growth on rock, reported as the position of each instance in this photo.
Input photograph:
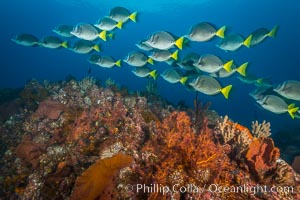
(92, 182)
(99, 140)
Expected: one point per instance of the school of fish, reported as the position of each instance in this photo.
(200, 73)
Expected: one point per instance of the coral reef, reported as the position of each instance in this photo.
(92, 183)
(33, 93)
(8, 94)
(261, 130)
(71, 139)
(288, 141)
(49, 109)
(262, 157)
(296, 164)
(29, 151)
(177, 155)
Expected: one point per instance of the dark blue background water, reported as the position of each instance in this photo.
(277, 58)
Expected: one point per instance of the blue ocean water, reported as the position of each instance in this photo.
(277, 59)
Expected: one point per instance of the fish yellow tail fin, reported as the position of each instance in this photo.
(65, 44)
(153, 74)
(227, 66)
(118, 63)
(242, 69)
(175, 55)
(186, 42)
(119, 25)
(291, 106)
(102, 35)
(221, 32)
(179, 42)
(132, 17)
(259, 81)
(226, 90)
(150, 60)
(96, 47)
(247, 42)
(183, 80)
(111, 35)
(273, 32)
(292, 110)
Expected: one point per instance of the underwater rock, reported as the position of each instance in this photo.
(91, 184)
(33, 93)
(8, 109)
(8, 94)
(262, 156)
(296, 164)
(284, 174)
(30, 152)
(169, 146)
(49, 109)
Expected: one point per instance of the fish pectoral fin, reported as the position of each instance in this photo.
(226, 90)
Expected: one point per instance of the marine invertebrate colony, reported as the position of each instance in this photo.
(95, 179)
(262, 157)
(126, 139)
